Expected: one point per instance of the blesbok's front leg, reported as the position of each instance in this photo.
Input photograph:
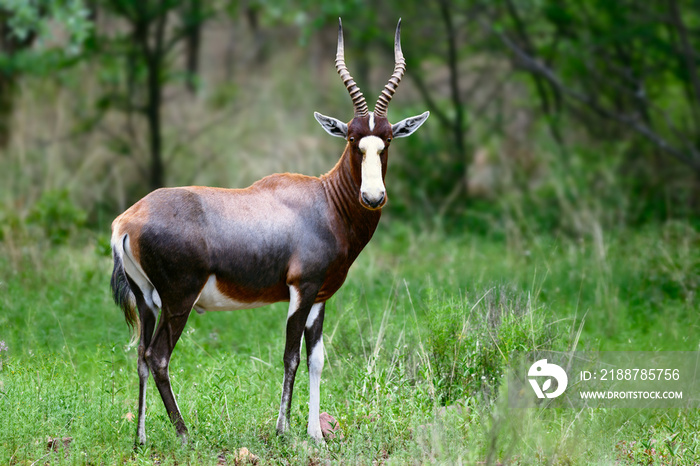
(313, 335)
(158, 358)
(301, 300)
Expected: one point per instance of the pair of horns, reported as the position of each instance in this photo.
(358, 99)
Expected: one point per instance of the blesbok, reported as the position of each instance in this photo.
(287, 237)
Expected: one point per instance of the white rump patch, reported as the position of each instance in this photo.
(372, 185)
(211, 299)
(156, 299)
(122, 247)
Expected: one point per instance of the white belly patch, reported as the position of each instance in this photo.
(211, 299)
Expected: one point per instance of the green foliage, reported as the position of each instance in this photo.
(621, 74)
(395, 355)
(471, 341)
(596, 163)
(57, 216)
(35, 19)
(9, 221)
(419, 337)
(137, 64)
(403, 338)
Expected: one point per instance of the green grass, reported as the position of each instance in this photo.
(417, 343)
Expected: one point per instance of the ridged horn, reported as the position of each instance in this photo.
(358, 100)
(399, 69)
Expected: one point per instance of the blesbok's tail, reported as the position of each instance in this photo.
(124, 297)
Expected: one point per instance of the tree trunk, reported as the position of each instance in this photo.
(9, 46)
(7, 87)
(157, 173)
(193, 21)
(460, 156)
(154, 62)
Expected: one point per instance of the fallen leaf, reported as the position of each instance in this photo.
(54, 443)
(244, 456)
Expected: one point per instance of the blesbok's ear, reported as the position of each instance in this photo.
(333, 126)
(406, 127)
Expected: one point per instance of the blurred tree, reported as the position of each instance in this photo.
(461, 82)
(444, 45)
(27, 45)
(629, 62)
(633, 63)
(193, 17)
(142, 63)
(10, 45)
(448, 102)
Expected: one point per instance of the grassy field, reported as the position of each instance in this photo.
(417, 345)
(418, 341)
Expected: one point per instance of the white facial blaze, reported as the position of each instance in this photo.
(372, 186)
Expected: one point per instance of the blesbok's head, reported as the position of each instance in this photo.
(369, 134)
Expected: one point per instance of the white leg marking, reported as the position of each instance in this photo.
(293, 301)
(282, 421)
(142, 426)
(315, 368)
(143, 374)
(313, 314)
(372, 185)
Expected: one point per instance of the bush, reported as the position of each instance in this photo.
(57, 215)
(472, 339)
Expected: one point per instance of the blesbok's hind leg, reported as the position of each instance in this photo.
(300, 303)
(158, 356)
(313, 335)
(147, 317)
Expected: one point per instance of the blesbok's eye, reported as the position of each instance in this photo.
(351, 139)
(388, 140)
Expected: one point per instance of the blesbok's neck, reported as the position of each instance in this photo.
(343, 192)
